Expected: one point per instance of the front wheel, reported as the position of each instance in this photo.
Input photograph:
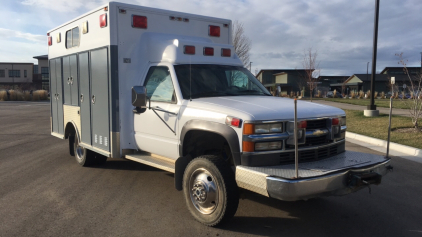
(210, 190)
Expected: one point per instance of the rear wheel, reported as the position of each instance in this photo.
(210, 190)
(83, 156)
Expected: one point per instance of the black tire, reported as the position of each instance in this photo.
(83, 156)
(72, 145)
(210, 190)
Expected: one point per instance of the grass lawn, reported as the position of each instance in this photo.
(398, 104)
(378, 127)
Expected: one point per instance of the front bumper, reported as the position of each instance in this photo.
(334, 176)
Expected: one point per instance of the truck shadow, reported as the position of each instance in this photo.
(328, 216)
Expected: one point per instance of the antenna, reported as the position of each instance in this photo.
(190, 78)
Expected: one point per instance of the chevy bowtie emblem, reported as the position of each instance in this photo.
(318, 132)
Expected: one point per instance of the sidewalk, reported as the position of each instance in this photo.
(401, 112)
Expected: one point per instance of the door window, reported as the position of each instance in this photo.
(159, 85)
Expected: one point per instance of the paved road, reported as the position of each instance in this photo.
(401, 112)
(43, 192)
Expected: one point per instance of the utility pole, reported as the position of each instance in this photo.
(371, 110)
(250, 66)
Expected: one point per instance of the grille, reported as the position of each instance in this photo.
(311, 141)
(315, 124)
(310, 155)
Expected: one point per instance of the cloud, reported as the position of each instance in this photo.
(280, 30)
(7, 33)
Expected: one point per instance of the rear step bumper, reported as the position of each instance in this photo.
(321, 178)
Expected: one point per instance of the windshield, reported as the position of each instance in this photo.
(204, 80)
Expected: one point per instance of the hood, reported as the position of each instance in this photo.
(265, 107)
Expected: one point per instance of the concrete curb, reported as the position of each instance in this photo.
(396, 149)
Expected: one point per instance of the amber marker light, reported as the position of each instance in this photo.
(248, 146)
(248, 129)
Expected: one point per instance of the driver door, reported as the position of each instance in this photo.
(151, 133)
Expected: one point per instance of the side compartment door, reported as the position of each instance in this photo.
(74, 89)
(53, 96)
(66, 81)
(84, 98)
(59, 84)
(151, 133)
(99, 99)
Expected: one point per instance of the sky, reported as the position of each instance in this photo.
(341, 31)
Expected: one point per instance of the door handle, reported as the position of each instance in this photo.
(82, 98)
(68, 80)
(71, 80)
(93, 99)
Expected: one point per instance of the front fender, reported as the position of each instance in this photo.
(225, 131)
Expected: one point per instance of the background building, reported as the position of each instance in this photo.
(288, 80)
(14, 75)
(42, 75)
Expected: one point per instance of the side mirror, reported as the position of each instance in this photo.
(139, 98)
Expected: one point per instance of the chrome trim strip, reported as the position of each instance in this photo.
(275, 136)
(61, 136)
(343, 128)
(289, 120)
(87, 146)
(300, 149)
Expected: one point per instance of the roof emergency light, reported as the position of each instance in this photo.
(208, 51)
(189, 49)
(214, 31)
(139, 22)
(103, 20)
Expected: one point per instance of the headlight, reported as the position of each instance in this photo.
(263, 146)
(269, 128)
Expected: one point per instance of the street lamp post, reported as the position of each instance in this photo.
(371, 110)
(367, 65)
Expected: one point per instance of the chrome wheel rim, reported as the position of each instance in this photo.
(203, 191)
(79, 150)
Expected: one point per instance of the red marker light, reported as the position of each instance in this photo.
(226, 52)
(189, 49)
(302, 124)
(139, 22)
(50, 41)
(235, 122)
(214, 31)
(208, 51)
(335, 121)
(103, 20)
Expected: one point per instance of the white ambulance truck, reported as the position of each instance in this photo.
(166, 89)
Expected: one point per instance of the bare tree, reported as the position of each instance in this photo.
(415, 102)
(312, 70)
(241, 43)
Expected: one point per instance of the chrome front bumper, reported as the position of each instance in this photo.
(332, 176)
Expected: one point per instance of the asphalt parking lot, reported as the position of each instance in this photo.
(44, 192)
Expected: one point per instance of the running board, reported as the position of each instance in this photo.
(153, 160)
